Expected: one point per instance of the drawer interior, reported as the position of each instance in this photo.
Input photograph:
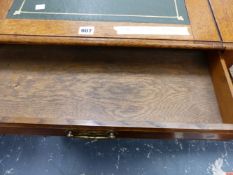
(220, 68)
(108, 84)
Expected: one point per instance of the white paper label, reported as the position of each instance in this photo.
(40, 7)
(231, 71)
(147, 30)
(86, 30)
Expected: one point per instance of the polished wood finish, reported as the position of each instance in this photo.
(52, 28)
(220, 64)
(128, 92)
(145, 43)
(102, 84)
(228, 56)
(130, 129)
(223, 12)
(54, 90)
(203, 32)
(202, 20)
(5, 5)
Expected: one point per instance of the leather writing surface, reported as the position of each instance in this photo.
(149, 11)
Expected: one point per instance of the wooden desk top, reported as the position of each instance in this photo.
(223, 11)
(173, 23)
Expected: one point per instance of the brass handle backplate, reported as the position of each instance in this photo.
(92, 135)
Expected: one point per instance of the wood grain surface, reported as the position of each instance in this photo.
(5, 5)
(223, 11)
(220, 64)
(202, 20)
(106, 84)
(52, 28)
(112, 42)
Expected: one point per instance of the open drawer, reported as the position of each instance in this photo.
(101, 92)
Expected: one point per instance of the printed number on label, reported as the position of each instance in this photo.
(86, 30)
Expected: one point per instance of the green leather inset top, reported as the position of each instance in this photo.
(141, 11)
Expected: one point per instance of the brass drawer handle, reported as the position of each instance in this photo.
(92, 135)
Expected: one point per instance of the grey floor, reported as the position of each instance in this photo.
(33, 155)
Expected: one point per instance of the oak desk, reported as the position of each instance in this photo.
(136, 90)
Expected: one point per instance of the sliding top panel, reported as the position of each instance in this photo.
(223, 12)
(155, 22)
